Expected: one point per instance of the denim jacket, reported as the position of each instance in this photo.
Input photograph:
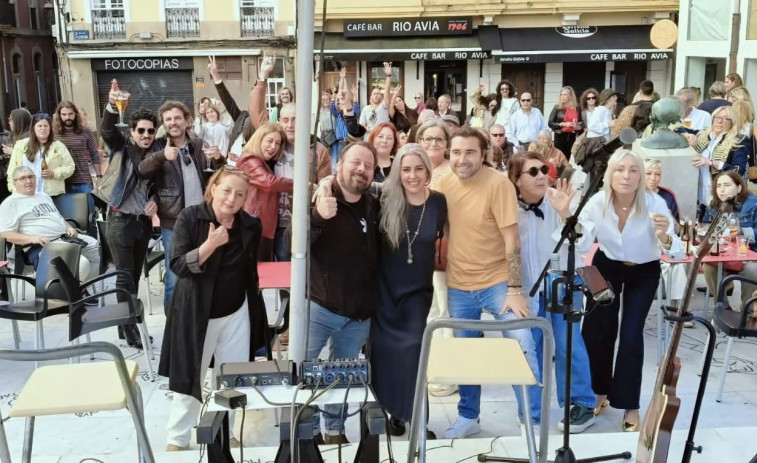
(747, 213)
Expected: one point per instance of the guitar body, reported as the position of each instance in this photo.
(657, 427)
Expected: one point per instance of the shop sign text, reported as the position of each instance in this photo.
(413, 27)
(143, 64)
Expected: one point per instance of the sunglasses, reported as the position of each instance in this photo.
(418, 98)
(525, 101)
(42, 116)
(141, 131)
(534, 171)
(591, 98)
(497, 134)
(234, 171)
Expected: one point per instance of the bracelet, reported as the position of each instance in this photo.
(514, 286)
(514, 294)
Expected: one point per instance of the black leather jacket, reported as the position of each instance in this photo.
(169, 182)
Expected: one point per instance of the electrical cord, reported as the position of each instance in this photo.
(202, 412)
(341, 413)
(271, 403)
(241, 438)
(293, 425)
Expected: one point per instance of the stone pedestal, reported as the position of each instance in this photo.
(677, 174)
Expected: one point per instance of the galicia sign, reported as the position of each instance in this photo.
(576, 32)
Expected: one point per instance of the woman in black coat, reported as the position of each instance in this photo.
(215, 311)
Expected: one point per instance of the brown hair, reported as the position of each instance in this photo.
(364, 144)
(736, 79)
(58, 121)
(219, 175)
(253, 146)
(736, 177)
(541, 149)
(378, 128)
(586, 93)
(515, 166)
(22, 123)
(470, 132)
(34, 144)
(174, 104)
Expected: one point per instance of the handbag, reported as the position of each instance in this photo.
(328, 137)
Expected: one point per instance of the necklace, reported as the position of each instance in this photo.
(415, 235)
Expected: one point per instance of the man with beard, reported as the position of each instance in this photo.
(483, 273)
(131, 199)
(68, 129)
(344, 250)
(176, 167)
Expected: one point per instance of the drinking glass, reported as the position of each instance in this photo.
(742, 245)
(208, 150)
(122, 101)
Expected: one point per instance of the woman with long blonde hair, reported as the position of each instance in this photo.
(412, 219)
(565, 121)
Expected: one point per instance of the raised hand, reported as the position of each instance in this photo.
(560, 197)
(396, 91)
(343, 73)
(213, 69)
(323, 189)
(660, 223)
(266, 66)
(217, 237)
(113, 94)
(326, 207)
(387, 69)
(171, 152)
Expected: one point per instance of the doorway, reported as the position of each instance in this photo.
(626, 78)
(447, 77)
(527, 78)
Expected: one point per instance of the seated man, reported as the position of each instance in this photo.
(30, 220)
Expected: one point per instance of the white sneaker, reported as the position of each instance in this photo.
(442, 390)
(463, 427)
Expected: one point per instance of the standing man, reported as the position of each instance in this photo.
(176, 167)
(498, 137)
(131, 199)
(717, 98)
(526, 123)
(344, 247)
(483, 273)
(644, 100)
(377, 111)
(68, 129)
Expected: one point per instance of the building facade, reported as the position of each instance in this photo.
(29, 63)
(441, 46)
(159, 49)
(709, 47)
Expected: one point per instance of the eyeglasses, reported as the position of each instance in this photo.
(525, 101)
(141, 130)
(722, 119)
(42, 116)
(497, 135)
(534, 171)
(591, 98)
(430, 140)
(24, 178)
(418, 97)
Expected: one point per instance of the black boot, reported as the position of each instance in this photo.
(396, 426)
(133, 339)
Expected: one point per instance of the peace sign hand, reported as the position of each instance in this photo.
(213, 68)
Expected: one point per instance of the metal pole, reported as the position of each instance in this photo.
(733, 54)
(301, 198)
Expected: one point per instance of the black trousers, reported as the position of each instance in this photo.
(564, 142)
(128, 237)
(637, 285)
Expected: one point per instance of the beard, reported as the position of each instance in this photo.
(354, 183)
(69, 122)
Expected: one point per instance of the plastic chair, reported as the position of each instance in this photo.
(5, 293)
(74, 207)
(50, 298)
(733, 323)
(84, 319)
(67, 389)
(459, 361)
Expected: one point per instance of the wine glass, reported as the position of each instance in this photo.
(122, 101)
(208, 151)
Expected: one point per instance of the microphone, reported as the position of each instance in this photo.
(626, 137)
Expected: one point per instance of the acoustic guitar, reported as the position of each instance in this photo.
(657, 426)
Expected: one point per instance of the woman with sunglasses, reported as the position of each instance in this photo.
(49, 159)
(588, 103)
(541, 213)
(213, 313)
(263, 149)
(633, 227)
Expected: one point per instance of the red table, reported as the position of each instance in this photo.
(275, 275)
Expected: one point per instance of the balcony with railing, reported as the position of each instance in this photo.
(257, 20)
(109, 24)
(183, 22)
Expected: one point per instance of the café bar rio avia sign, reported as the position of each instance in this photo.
(408, 27)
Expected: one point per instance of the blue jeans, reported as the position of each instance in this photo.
(85, 188)
(347, 338)
(170, 277)
(580, 379)
(469, 305)
(279, 246)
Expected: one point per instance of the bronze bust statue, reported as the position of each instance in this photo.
(665, 112)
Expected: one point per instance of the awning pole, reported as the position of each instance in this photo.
(301, 197)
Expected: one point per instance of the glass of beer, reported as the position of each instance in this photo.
(122, 101)
(208, 151)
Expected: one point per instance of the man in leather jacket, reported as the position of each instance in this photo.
(131, 199)
(177, 166)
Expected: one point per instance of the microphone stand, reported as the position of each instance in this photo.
(569, 232)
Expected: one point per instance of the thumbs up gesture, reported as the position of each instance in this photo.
(171, 152)
(217, 237)
(113, 94)
(326, 206)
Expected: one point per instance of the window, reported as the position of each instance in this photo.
(378, 78)
(331, 75)
(108, 19)
(229, 67)
(33, 16)
(39, 80)
(257, 17)
(17, 75)
(709, 20)
(183, 18)
(275, 81)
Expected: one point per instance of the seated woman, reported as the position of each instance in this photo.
(726, 185)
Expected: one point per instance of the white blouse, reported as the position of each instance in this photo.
(637, 242)
(599, 123)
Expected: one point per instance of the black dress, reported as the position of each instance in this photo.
(404, 300)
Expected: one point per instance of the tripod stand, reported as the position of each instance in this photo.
(566, 281)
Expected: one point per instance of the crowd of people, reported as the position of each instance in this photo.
(419, 212)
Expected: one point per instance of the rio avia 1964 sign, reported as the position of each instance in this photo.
(407, 27)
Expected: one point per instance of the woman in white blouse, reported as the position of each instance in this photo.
(601, 121)
(632, 226)
(212, 132)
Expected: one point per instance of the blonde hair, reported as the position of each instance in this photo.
(253, 146)
(740, 94)
(541, 149)
(639, 204)
(572, 102)
(736, 123)
(744, 111)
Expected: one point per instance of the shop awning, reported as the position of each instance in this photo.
(578, 43)
(337, 47)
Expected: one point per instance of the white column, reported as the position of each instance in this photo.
(553, 82)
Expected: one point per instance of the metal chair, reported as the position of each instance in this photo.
(74, 207)
(50, 298)
(155, 256)
(67, 389)
(459, 361)
(84, 318)
(5, 293)
(735, 324)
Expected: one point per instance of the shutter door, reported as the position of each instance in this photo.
(149, 89)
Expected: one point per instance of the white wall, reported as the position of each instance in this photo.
(411, 86)
(553, 80)
(658, 73)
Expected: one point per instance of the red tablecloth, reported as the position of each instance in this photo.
(275, 275)
(730, 255)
